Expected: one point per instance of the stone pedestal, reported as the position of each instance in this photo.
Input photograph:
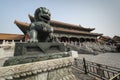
(39, 61)
(32, 52)
(54, 69)
(38, 48)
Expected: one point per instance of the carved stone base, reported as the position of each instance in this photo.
(54, 69)
(33, 58)
(38, 48)
(57, 74)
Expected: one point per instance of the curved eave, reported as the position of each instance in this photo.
(4, 36)
(22, 26)
(32, 19)
(75, 32)
(71, 25)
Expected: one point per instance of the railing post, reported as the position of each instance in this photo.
(84, 66)
(100, 71)
(75, 62)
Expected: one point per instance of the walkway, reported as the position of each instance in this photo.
(111, 59)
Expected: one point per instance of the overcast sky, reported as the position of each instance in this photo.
(103, 15)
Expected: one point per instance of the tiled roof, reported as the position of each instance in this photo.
(52, 22)
(4, 36)
(25, 26)
(75, 32)
(66, 25)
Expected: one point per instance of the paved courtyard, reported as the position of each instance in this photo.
(111, 59)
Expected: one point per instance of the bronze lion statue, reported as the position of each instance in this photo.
(40, 30)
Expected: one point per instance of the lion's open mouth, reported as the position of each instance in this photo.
(46, 17)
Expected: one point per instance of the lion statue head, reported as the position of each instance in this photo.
(42, 14)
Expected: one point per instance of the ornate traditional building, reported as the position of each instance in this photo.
(63, 31)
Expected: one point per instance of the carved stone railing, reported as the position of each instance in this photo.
(55, 69)
(7, 49)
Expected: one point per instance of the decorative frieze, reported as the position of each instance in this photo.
(61, 68)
